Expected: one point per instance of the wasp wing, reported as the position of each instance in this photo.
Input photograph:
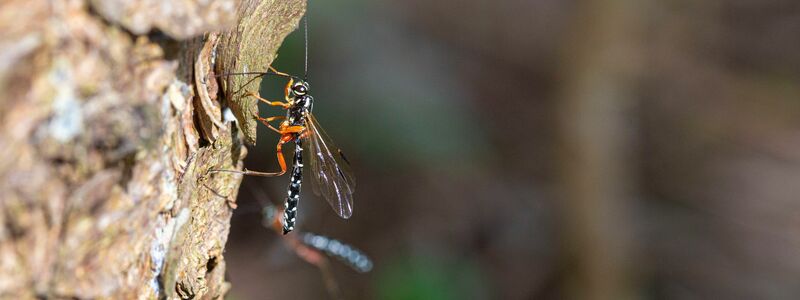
(332, 177)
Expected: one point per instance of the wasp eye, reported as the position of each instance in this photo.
(300, 89)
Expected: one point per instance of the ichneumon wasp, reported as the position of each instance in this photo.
(331, 175)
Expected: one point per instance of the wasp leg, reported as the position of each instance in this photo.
(231, 203)
(284, 105)
(288, 89)
(288, 85)
(281, 161)
(202, 181)
(287, 135)
(270, 119)
(279, 72)
(294, 129)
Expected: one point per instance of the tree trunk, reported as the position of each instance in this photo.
(595, 147)
(110, 119)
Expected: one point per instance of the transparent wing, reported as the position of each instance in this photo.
(332, 177)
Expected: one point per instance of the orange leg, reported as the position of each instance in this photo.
(279, 72)
(288, 134)
(287, 90)
(288, 85)
(270, 119)
(285, 105)
(281, 161)
(292, 129)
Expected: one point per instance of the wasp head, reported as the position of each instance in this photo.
(299, 91)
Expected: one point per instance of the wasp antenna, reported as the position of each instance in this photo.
(259, 74)
(240, 73)
(305, 24)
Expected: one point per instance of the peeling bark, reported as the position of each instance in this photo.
(107, 137)
(252, 46)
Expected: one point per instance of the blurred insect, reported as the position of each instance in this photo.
(310, 246)
(331, 175)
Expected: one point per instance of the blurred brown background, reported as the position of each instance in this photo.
(544, 149)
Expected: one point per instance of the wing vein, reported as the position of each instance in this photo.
(331, 175)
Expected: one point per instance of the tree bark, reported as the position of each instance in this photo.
(110, 119)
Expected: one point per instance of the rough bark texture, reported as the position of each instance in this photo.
(249, 47)
(107, 133)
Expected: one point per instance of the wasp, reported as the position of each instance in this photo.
(332, 177)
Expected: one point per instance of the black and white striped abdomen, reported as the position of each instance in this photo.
(293, 197)
(343, 252)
